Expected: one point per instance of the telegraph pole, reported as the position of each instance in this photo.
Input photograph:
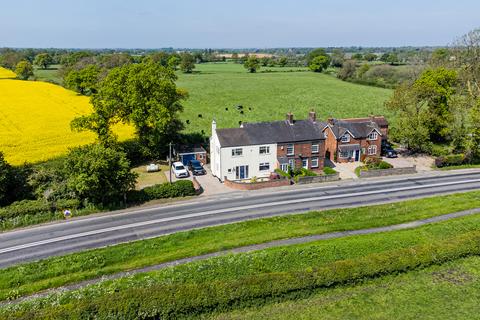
(170, 160)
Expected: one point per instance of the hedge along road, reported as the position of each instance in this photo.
(92, 232)
(249, 248)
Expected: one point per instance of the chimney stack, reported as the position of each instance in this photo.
(312, 115)
(290, 118)
(331, 121)
(214, 126)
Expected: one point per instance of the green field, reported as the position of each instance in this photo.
(49, 75)
(270, 95)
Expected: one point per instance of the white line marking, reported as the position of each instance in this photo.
(212, 212)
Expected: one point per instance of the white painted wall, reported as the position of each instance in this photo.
(250, 156)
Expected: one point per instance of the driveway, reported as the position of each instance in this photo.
(346, 170)
(209, 183)
(423, 163)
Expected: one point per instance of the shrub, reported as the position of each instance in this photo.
(181, 188)
(33, 207)
(328, 170)
(384, 165)
(450, 160)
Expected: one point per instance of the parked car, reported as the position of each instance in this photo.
(388, 151)
(179, 170)
(196, 167)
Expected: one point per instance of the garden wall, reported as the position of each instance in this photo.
(257, 185)
(318, 179)
(387, 172)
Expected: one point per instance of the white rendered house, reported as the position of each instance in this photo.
(236, 157)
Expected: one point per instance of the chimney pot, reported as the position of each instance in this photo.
(312, 116)
(290, 118)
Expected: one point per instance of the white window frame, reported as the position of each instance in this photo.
(372, 150)
(237, 152)
(265, 165)
(314, 162)
(284, 167)
(317, 147)
(305, 163)
(345, 138)
(291, 163)
(373, 136)
(346, 154)
(292, 147)
(264, 150)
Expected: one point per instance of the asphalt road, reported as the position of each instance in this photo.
(108, 229)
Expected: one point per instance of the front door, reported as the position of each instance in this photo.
(357, 155)
(241, 172)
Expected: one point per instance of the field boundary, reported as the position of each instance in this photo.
(250, 248)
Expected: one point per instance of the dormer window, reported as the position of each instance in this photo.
(373, 135)
(345, 138)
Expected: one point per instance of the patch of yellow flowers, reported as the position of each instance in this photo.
(35, 120)
(6, 74)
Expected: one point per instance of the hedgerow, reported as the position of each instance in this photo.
(174, 300)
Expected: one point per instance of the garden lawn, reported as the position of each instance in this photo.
(270, 95)
(56, 271)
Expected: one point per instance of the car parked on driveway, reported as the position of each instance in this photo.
(196, 167)
(179, 170)
(388, 151)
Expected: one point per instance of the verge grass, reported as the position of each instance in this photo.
(255, 278)
(448, 291)
(57, 271)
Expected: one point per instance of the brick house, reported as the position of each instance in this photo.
(349, 140)
(257, 149)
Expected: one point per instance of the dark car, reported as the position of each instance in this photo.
(196, 167)
(388, 151)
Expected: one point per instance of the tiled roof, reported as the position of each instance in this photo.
(359, 128)
(271, 132)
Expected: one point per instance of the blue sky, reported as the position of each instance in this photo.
(233, 24)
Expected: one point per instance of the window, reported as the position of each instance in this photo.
(325, 133)
(284, 167)
(291, 163)
(200, 156)
(373, 135)
(372, 150)
(346, 137)
(264, 166)
(315, 147)
(305, 163)
(264, 150)
(346, 154)
(315, 162)
(290, 150)
(237, 152)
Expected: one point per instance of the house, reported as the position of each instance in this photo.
(257, 149)
(187, 153)
(381, 122)
(354, 139)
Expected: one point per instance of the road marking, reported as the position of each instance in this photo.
(212, 212)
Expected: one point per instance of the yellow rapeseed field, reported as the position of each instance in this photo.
(5, 73)
(35, 120)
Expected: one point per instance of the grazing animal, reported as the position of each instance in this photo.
(241, 111)
(249, 108)
(188, 121)
(200, 115)
(226, 109)
(239, 107)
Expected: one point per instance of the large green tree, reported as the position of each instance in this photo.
(24, 70)
(252, 64)
(318, 64)
(43, 60)
(84, 81)
(144, 95)
(187, 63)
(99, 174)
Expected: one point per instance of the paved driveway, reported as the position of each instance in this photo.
(423, 163)
(209, 183)
(346, 170)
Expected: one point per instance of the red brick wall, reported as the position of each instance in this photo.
(304, 149)
(330, 144)
(202, 157)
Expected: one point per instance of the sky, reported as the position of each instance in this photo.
(234, 24)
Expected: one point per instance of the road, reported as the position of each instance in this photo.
(113, 228)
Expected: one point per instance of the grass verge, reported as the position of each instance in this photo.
(251, 279)
(56, 271)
